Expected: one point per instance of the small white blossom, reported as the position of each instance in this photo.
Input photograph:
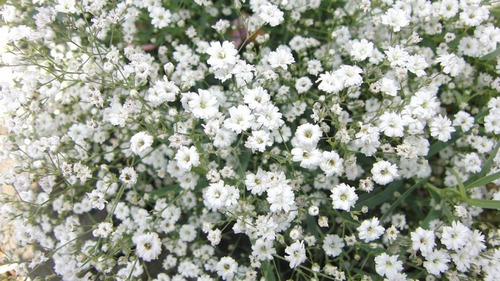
(270, 14)
(295, 253)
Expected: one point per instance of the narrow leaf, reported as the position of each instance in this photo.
(373, 200)
(486, 167)
(439, 145)
(433, 214)
(489, 162)
(491, 55)
(446, 210)
(401, 199)
(483, 203)
(176, 188)
(268, 271)
(484, 180)
(460, 182)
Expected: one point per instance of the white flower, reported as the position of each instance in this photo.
(386, 265)
(451, 63)
(308, 135)
(309, 158)
(350, 74)
(303, 85)
(475, 245)
(266, 227)
(436, 262)
(313, 210)
(456, 236)
(361, 50)
(331, 82)
(270, 14)
(423, 240)
(240, 119)
(214, 236)
(263, 249)
(148, 245)
(203, 105)
(187, 233)
(447, 8)
(226, 268)
(222, 56)
(424, 104)
(282, 57)
(221, 25)
(295, 253)
(396, 18)
(256, 97)
(416, 64)
(162, 91)
(256, 183)
(97, 199)
(332, 245)
(224, 138)
(331, 163)
(391, 124)
(344, 197)
(472, 162)
(370, 230)
(128, 176)
(397, 56)
(314, 67)
(492, 122)
(383, 172)
(258, 141)
(464, 120)
(269, 116)
(389, 86)
(462, 259)
(281, 198)
(140, 142)
(215, 196)
(187, 158)
(441, 128)
(160, 17)
(187, 269)
(103, 230)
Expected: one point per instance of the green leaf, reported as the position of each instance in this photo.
(458, 97)
(446, 211)
(244, 159)
(373, 200)
(312, 226)
(439, 145)
(486, 167)
(489, 162)
(483, 203)
(482, 114)
(491, 55)
(461, 187)
(268, 271)
(484, 180)
(433, 214)
(401, 199)
(199, 170)
(174, 187)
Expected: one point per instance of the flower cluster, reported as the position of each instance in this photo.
(250, 139)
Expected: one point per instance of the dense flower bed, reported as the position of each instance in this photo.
(251, 140)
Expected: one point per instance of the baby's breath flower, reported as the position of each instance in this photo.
(270, 14)
(343, 197)
(370, 230)
(148, 245)
(295, 253)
